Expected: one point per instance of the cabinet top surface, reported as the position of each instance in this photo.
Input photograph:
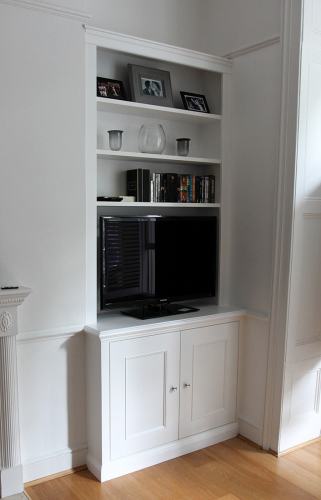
(113, 323)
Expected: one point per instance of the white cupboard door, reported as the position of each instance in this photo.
(209, 357)
(144, 393)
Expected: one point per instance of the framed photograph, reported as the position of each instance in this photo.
(195, 102)
(113, 89)
(150, 86)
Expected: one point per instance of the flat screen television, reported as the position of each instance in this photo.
(148, 262)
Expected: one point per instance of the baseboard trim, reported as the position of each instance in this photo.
(295, 448)
(127, 465)
(56, 463)
(56, 476)
(250, 431)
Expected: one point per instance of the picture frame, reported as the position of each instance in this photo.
(111, 89)
(150, 85)
(195, 102)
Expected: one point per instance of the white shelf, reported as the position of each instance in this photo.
(133, 156)
(150, 204)
(149, 110)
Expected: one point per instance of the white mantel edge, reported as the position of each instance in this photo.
(13, 297)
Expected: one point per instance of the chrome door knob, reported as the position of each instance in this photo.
(186, 386)
(173, 389)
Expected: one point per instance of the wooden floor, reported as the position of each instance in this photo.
(228, 471)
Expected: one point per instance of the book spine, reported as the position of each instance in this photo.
(212, 189)
(162, 188)
(193, 189)
(151, 190)
(158, 188)
(146, 185)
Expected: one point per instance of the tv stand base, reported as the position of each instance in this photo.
(150, 311)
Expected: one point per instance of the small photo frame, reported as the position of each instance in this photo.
(195, 102)
(150, 86)
(112, 89)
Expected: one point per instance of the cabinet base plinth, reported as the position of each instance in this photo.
(126, 465)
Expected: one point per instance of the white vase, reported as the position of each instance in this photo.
(151, 139)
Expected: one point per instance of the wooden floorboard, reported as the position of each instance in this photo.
(233, 470)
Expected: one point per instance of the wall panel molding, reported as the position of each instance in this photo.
(49, 335)
(51, 8)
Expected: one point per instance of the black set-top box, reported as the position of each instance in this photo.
(138, 184)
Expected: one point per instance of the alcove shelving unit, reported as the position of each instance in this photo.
(140, 405)
(108, 55)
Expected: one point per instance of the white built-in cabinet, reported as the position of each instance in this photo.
(157, 389)
(156, 393)
(144, 393)
(170, 386)
(208, 378)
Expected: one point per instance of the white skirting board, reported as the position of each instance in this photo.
(54, 463)
(251, 431)
(155, 456)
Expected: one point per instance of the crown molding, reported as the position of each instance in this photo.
(254, 47)
(58, 10)
(156, 50)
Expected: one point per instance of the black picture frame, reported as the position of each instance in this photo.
(150, 85)
(110, 89)
(195, 102)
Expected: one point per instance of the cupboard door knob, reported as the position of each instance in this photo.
(173, 389)
(186, 386)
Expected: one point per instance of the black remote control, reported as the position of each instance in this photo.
(109, 198)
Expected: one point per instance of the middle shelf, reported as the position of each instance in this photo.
(156, 204)
(159, 158)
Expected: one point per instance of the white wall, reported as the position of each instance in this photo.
(42, 208)
(42, 217)
(177, 22)
(255, 141)
(42, 189)
(234, 24)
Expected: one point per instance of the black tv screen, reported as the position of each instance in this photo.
(154, 259)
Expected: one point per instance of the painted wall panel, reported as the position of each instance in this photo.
(255, 142)
(42, 212)
(313, 145)
(52, 403)
(232, 24)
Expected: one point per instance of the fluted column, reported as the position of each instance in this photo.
(11, 481)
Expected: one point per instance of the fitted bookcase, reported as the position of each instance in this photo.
(108, 55)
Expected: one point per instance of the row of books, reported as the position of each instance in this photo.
(170, 188)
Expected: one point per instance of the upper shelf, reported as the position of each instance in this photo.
(133, 156)
(149, 110)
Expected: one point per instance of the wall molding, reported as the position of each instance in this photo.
(156, 50)
(54, 463)
(247, 49)
(69, 331)
(58, 10)
(291, 50)
(250, 431)
(59, 333)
